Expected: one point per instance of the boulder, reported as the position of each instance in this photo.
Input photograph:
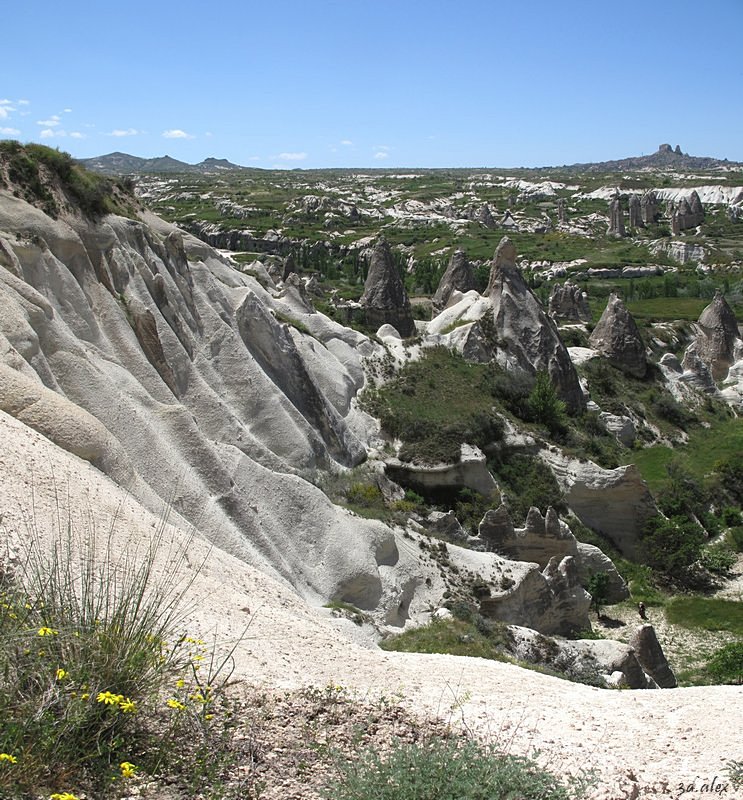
(527, 340)
(562, 210)
(385, 300)
(458, 277)
(617, 337)
(650, 655)
(569, 303)
(620, 426)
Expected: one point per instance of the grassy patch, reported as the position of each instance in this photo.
(707, 613)
(453, 636)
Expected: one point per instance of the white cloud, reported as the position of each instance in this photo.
(292, 156)
(176, 133)
(3, 112)
(52, 122)
(381, 154)
(347, 142)
(10, 131)
(24, 102)
(254, 158)
(123, 132)
(77, 135)
(67, 111)
(6, 102)
(47, 133)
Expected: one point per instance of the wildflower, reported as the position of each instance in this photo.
(61, 674)
(45, 631)
(7, 757)
(128, 770)
(127, 706)
(63, 796)
(171, 702)
(180, 683)
(109, 698)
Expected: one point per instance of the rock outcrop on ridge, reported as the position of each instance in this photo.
(569, 303)
(459, 276)
(526, 338)
(385, 300)
(617, 337)
(616, 217)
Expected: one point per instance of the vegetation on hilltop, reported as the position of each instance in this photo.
(47, 177)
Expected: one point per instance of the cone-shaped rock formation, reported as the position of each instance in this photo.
(616, 336)
(385, 300)
(529, 338)
(459, 276)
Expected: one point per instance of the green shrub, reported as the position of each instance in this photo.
(446, 769)
(718, 558)
(365, 495)
(545, 407)
(736, 538)
(527, 482)
(672, 545)
(726, 664)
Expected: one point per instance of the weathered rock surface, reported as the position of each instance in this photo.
(687, 214)
(543, 538)
(650, 655)
(587, 659)
(617, 337)
(469, 472)
(549, 601)
(569, 303)
(649, 207)
(459, 276)
(615, 502)
(620, 426)
(718, 342)
(616, 217)
(635, 212)
(527, 339)
(385, 300)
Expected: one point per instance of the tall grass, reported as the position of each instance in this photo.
(97, 682)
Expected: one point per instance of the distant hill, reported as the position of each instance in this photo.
(124, 164)
(666, 157)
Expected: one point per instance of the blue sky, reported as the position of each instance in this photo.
(363, 83)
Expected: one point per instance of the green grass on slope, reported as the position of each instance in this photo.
(708, 613)
(706, 446)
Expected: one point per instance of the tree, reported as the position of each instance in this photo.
(544, 405)
(672, 545)
(598, 588)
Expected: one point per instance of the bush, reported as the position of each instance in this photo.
(718, 558)
(545, 407)
(726, 665)
(736, 538)
(447, 769)
(672, 545)
(527, 482)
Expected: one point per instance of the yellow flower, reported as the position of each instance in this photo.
(61, 674)
(63, 796)
(84, 696)
(109, 698)
(180, 683)
(171, 702)
(128, 769)
(127, 705)
(44, 631)
(7, 757)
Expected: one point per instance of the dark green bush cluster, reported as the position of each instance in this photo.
(527, 482)
(447, 769)
(672, 545)
(726, 664)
